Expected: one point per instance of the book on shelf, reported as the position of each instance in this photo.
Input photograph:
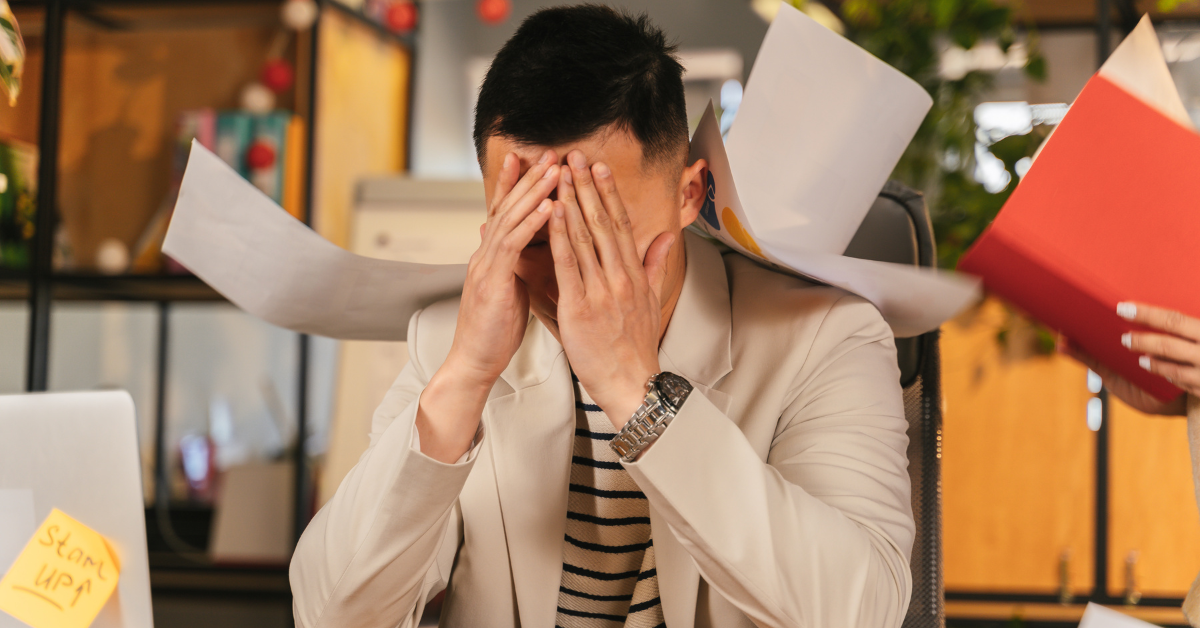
(267, 149)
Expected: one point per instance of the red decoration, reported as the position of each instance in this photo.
(493, 12)
(277, 75)
(401, 16)
(260, 155)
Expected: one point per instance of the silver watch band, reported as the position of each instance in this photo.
(647, 422)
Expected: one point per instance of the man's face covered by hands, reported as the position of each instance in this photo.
(657, 197)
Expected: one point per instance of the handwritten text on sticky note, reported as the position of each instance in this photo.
(62, 578)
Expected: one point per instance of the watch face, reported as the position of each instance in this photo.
(674, 388)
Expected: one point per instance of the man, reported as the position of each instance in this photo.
(522, 462)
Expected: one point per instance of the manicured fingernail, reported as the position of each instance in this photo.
(1144, 362)
(602, 171)
(1127, 340)
(1127, 310)
(545, 157)
(577, 160)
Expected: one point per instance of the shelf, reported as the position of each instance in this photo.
(164, 14)
(92, 287)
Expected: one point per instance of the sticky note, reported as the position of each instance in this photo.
(62, 578)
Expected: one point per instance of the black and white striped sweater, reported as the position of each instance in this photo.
(609, 579)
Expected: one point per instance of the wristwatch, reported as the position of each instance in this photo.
(664, 397)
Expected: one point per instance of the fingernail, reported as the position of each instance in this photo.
(1144, 362)
(558, 211)
(567, 176)
(550, 173)
(1127, 310)
(1127, 340)
(577, 160)
(602, 170)
(544, 206)
(545, 157)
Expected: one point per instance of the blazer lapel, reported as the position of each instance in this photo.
(696, 346)
(532, 431)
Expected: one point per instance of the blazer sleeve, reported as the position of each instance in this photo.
(820, 534)
(386, 541)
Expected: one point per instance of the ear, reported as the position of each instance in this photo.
(692, 191)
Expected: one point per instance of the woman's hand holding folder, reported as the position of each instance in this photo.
(1174, 354)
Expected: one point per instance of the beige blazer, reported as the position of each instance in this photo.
(779, 496)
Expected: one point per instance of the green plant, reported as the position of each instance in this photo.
(939, 161)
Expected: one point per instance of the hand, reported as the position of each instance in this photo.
(495, 305)
(1175, 355)
(1122, 388)
(493, 313)
(609, 314)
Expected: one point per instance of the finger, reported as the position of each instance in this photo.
(622, 227)
(1163, 319)
(509, 249)
(656, 262)
(532, 178)
(594, 212)
(506, 220)
(1163, 346)
(510, 169)
(1178, 374)
(583, 244)
(566, 265)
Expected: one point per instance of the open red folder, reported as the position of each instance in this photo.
(1109, 212)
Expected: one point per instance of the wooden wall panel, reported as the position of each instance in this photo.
(1017, 462)
(1152, 504)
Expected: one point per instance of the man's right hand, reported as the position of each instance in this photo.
(493, 312)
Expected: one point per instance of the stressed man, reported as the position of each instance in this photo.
(618, 423)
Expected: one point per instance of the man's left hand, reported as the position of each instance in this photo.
(609, 315)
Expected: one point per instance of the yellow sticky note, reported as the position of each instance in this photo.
(62, 578)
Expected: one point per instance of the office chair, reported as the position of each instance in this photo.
(897, 229)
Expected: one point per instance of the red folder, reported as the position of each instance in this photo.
(1109, 212)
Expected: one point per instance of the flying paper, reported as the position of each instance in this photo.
(820, 127)
(271, 265)
(812, 146)
(63, 578)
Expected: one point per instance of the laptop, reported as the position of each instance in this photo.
(77, 452)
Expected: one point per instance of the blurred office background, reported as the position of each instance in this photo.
(356, 117)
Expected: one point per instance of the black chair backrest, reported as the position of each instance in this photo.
(897, 229)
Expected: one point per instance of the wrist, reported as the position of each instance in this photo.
(449, 414)
(627, 400)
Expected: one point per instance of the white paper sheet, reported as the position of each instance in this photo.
(821, 125)
(271, 265)
(912, 300)
(1096, 616)
(1138, 67)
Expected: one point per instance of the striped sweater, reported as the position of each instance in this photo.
(608, 576)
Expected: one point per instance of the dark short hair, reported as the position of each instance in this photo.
(571, 71)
